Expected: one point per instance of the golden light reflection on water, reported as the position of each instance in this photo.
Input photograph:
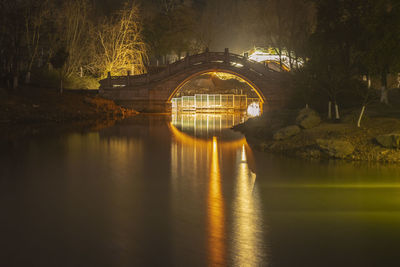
(216, 211)
(205, 125)
(241, 243)
(247, 220)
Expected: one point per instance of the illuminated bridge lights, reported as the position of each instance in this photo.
(269, 55)
(214, 102)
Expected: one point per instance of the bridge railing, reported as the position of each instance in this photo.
(225, 58)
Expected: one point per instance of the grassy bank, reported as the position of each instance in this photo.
(28, 109)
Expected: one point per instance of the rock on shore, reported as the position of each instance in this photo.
(286, 132)
(274, 132)
(335, 148)
(308, 118)
(389, 140)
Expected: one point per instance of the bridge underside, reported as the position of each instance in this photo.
(154, 95)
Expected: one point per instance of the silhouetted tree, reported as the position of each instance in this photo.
(58, 61)
(36, 14)
(170, 28)
(379, 39)
(72, 21)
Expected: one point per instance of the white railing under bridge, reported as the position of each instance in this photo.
(213, 102)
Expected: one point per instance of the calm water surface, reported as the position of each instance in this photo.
(184, 191)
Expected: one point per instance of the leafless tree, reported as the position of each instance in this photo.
(73, 33)
(36, 13)
(11, 37)
(119, 46)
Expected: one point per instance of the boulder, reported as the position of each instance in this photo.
(389, 140)
(335, 148)
(286, 132)
(308, 118)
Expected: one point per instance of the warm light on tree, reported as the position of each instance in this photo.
(120, 47)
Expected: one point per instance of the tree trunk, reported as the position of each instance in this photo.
(40, 60)
(384, 90)
(330, 110)
(61, 82)
(384, 95)
(15, 81)
(398, 80)
(360, 117)
(369, 81)
(28, 77)
(337, 116)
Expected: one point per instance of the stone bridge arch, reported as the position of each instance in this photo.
(174, 89)
(154, 92)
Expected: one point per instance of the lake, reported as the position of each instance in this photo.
(185, 190)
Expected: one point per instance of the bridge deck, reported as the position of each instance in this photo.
(224, 58)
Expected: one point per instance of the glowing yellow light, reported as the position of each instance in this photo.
(228, 76)
(253, 110)
(213, 102)
(243, 154)
(189, 140)
(241, 77)
(244, 241)
(270, 55)
(246, 217)
(216, 214)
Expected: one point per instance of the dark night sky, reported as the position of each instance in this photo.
(113, 4)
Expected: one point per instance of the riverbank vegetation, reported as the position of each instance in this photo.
(339, 42)
(350, 77)
(305, 133)
(31, 111)
(80, 41)
(35, 105)
(73, 41)
(352, 53)
(344, 55)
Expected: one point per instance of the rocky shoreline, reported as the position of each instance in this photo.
(304, 134)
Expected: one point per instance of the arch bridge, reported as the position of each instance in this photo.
(154, 92)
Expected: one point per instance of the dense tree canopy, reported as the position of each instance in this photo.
(354, 38)
(32, 31)
(338, 39)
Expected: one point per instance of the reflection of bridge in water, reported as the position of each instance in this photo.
(207, 125)
(216, 163)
